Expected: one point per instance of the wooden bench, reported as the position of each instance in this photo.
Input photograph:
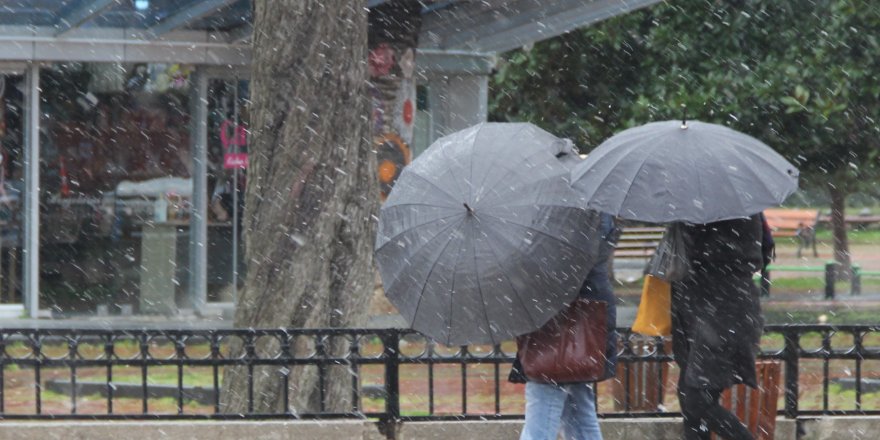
(856, 221)
(797, 223)
(638, 242)
(640, 386)
(756, 408)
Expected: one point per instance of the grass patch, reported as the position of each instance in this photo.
(834, 315)
(855, 236)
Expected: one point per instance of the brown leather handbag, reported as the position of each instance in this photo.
(569, 348)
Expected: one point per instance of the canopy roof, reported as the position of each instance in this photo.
(217, 31)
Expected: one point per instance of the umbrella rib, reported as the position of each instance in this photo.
(650, 147)
(451, 296)
(438, 187)
(513, 169)
(757, 156)
(455, 178)
(424, 284)
(599, 156)
(730, 184)
(487, 210)
(480, 288)
(529, 228)
(601, 184)
(471, 189)
(417, 251)
(767, 187)
(515, 292)
(486, 175)
(628, 188)
(754, 155)
(393, 237)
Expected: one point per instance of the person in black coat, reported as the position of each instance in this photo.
(717, 322)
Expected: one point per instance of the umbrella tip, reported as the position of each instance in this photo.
(684, 110)
(469, 210)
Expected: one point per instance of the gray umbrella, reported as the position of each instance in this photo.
(482, 238)
(698, 172)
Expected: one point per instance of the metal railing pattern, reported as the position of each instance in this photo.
(103, 353)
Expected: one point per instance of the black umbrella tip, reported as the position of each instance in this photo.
(469, 210)
(684, 110)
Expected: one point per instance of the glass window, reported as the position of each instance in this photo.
(115, 185)
(11, 186)
(227, 177)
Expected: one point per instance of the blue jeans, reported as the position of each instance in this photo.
(571, 407)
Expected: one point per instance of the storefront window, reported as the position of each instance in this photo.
(115, 186)
(227, 177)
(11, 186)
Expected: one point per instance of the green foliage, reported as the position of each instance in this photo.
(801, 75)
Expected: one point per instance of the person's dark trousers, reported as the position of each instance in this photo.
(700, 406)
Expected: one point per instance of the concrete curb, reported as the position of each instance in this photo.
(612, 429)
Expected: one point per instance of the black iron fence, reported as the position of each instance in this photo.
(388, 374)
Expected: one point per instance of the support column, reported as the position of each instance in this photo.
(458, 88)
(198, 237)
(31, 212)
(457, 102)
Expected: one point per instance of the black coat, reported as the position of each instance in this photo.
(716, 311)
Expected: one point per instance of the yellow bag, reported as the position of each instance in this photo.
(654, 317)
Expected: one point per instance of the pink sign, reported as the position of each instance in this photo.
(235, 160)
(232, 143)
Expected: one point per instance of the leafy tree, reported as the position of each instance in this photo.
(578, 85)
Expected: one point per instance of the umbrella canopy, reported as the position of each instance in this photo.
(483, 238)
(694, 172)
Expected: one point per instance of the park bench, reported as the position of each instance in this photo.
(854, 221)
(638, 241)
(640, 386)
(756, 408)
(797, 223)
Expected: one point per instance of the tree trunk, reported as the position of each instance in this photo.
(838, 231)
(311, 195)
(393, 37)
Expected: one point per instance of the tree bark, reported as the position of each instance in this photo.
(311, 196)
(838, 230)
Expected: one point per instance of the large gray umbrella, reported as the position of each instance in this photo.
(483, 238)
(695, 172)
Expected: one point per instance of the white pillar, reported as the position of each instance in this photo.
(458, 88)
(198, 237)
(457, 102)
(31, 213)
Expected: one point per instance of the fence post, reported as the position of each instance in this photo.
(388, 423)
(790, 357)
(830, 276)
(856, 286)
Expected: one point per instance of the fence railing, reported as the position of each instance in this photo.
(388, 374)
